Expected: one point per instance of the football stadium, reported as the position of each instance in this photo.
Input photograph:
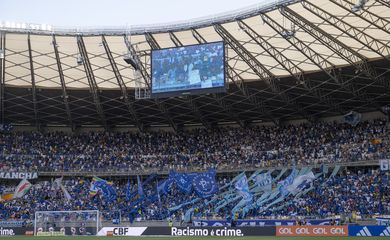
(267, 122)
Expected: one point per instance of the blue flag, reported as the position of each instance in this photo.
(140, 188)
(283, 184)
(165, 186)
(158, 194)
(128, 190)
(205, 184)
(243, 189)
(106, 188)
(183, 181)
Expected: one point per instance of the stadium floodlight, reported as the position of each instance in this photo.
(358, 6)
(287, 34)
(129, 59)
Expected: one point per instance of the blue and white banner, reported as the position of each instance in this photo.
(368, 231)
(243, 189)
(258, 222)
(282, 185)
(301, 182)
(264, 181)
(205, 184)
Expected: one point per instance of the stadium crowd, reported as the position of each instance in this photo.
(259, 146)
(364, 192)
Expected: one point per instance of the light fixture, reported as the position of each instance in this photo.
(80, 60)
(129, 59)
(1, 53)
(358, 6)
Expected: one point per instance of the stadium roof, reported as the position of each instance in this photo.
(286, 60)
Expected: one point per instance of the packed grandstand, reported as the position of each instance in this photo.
(298, 134)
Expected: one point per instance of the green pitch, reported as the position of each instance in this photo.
(191, 238)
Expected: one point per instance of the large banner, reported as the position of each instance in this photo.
(259, 222)
(312, 231)
(18, 175)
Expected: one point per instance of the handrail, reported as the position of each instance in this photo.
(220, 170)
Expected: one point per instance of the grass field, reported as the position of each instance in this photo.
(190, 238)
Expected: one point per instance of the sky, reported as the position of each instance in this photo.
(92, 13)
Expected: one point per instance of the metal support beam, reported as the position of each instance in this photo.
(145, 75)
(384, 2)
(65, 96)
(237, 80)
(366, 15)
(189, 99)
(33, 87)
(91, 81)
(2, 76)
(240, 83)
(261, 71)
(127, 100)
(366, 40)
(345, 52)
(289, 66)
(317, 59)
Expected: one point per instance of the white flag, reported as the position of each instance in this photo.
(300, 181)
(22, 188)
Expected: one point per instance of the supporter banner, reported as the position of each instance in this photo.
(18, 175)
(187, 231)
(313, 231)
(258, 222)
(13, 231)
(385, 164)
(368, 231)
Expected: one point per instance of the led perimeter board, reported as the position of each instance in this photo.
(194, 69)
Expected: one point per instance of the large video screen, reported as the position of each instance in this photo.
(191, 69)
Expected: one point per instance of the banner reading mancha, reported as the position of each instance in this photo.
(18, 175)
(295, 231)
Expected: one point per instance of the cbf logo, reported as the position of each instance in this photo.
(120, 231)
